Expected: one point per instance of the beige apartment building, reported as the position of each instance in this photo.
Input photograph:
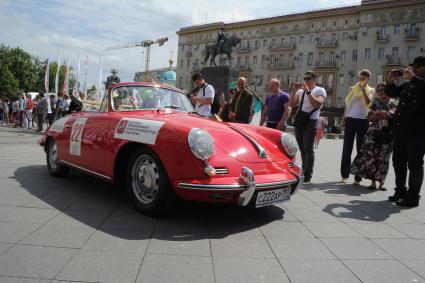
(379, 35)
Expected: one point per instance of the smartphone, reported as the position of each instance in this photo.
(398, 73)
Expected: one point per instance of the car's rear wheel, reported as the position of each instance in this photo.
(147, 183)
(55, 169)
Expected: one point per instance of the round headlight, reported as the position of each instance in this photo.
(289, 144)
(201, 144)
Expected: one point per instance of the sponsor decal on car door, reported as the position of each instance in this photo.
(139, 130)
(76, 134)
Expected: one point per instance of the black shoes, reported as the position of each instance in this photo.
(398, 195)
(409, 202)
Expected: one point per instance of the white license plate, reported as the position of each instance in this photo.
(268, 197)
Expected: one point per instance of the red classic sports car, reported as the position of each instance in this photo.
(147, 139)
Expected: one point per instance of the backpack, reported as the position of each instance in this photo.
(215, 107)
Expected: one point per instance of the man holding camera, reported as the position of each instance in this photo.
(205, 97)
(409, 131)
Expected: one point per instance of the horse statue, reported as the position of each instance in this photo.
(213, 49)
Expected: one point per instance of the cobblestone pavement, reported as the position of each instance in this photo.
(82, 229)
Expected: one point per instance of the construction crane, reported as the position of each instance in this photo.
(144, 43)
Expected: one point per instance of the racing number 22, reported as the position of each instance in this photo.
(76, 132)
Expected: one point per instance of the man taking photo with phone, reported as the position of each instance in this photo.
(409, 131)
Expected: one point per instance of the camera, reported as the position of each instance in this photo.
(398, 73)
(298, 84)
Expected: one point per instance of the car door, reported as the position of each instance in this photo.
(86, 136)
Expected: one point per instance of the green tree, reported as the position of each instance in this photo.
(9, 85)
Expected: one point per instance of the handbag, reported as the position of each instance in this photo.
(382, 136)
(302, 118)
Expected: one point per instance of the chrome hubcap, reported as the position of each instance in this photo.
(145, 179)
(53, 156)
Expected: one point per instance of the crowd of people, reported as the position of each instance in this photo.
(30, 112)
(380, 125)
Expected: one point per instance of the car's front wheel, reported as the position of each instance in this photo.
(147, 183)
(55, 169)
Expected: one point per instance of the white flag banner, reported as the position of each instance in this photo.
(85, 77)
(46, 76)
(78, 77)
(57, 76)
(66, 80)
(99, 92)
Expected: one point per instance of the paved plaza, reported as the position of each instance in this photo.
(82, 229)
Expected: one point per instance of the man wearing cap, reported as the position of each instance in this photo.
(205, 96)
(409, 132)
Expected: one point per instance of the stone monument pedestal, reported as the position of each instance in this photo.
(220, 77)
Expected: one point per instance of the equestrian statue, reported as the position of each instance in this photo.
(224, 45)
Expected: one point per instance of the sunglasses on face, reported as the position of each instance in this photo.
(307, 78)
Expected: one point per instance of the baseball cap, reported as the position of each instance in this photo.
(196, 76)
(420, 60)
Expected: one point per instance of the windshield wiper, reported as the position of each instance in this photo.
(167, 106)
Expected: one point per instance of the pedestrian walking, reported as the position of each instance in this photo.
(355, 122)
(320, 130)
(204, 98)
(310, 99)
(409, 131)
(276, 110)
(377, 146)
(241, 108)
(29, 105)
(41, 111)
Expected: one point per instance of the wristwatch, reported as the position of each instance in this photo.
(309, 92)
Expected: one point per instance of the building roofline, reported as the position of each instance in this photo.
(315, 13)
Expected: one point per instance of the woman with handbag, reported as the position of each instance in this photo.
(310, 99)
(377, 143)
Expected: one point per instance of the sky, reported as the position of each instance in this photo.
(79, 28)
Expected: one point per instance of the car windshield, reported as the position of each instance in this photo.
(137, 97)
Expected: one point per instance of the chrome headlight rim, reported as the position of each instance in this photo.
(194, 147)
(289, 144)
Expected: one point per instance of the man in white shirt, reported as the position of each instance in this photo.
(312, 99)
(356, 123)
(205, 96)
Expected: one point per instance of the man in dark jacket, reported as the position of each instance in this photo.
(409, 131)
(242, 106)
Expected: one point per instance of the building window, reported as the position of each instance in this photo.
(394, 52)
(312, 25)
(310, 58)
(239, 61)
(302, 39)
(257, 43)
(343, 55)
(293, 40)
(345, 36)
(382, 31)
(300, 57)
(323, 24)
(367, 53)
(358, 21)
(188, 63)
(330, 81)
(411, 50)
(181, 63)
(346, 22)
(258, 31)
(396, 29)
(332, 57)
(334, 23)
(264, 42)
(273, 42)
(321, 57)
(320, 79)
(311, 38)
(354, 55)
(298, 78)
(379, 78)
(263, 59)
(341, 79)
(381, 53)
(334, 36)
(246, 60)
(254, 60)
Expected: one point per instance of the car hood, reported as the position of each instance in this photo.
(241, 142)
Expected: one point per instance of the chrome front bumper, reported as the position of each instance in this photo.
(249, 185)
